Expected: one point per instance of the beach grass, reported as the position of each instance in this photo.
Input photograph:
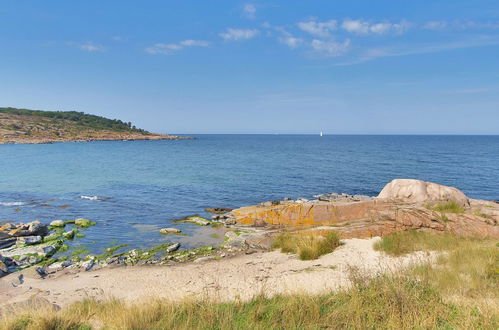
(447, 207)
(388, 302)
(400, 243)
(459, 290)
(308, 245)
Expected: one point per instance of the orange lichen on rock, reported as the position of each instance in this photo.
(376, 217)
(308, 214)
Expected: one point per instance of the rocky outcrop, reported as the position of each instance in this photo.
(417, 191)
(28, 244)
(403, 205)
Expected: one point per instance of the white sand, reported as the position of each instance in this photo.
(241, 277)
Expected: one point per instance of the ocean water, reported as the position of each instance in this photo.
(140, 186)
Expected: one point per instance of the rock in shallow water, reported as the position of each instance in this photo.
(57, 223)
(173, 247)
(166, 231)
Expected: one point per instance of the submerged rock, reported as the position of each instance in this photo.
(197, 220)
(84, 223)
(166, 231)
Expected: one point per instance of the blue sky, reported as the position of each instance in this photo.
(342, 67)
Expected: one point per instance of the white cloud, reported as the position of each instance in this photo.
(362, 27)
(88, 47)
(330, 48)
(355, 26)
(435, 25)
(319, 29)
(239, 34)
(195, 43)
(168, 49)
(249, 10)
(291, 42)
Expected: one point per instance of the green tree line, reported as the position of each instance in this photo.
(91, 121)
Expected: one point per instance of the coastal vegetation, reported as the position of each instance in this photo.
(459, 290)
(36, 126)
(81, 118)
(308, 245)
(447, 207)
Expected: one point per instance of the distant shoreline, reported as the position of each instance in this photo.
(24, 126)
(153, 137)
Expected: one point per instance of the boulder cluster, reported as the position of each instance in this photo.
(34, 243)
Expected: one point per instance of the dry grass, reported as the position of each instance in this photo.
(409, 241)
(308, 245)
(465, 273)
(459, 291)
(393, 302)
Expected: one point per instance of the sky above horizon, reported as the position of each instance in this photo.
(341, 67)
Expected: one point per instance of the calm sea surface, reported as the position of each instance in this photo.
(149, 183)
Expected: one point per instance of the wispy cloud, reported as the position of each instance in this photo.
(239, 34)
(362, 27)
(195, 43)
(168, 49)
(330, 48)
(435, 25)
(87, 46)
(249, 10)
(319, 29)
(406, 50)
(459, 25)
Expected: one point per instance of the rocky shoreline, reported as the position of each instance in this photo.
(117, 137)
(402, 205)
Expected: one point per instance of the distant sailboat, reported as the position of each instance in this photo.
(320, 133)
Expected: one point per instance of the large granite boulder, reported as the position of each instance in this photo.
(417, 191)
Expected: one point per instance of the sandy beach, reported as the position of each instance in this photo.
(241, 277)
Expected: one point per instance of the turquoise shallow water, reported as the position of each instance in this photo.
(149, 183)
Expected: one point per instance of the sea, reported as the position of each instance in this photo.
(131, 189)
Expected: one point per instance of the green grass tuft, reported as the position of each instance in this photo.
(447, 207)
(308, 245)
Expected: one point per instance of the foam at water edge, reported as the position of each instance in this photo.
(12, 203)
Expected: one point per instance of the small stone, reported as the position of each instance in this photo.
(198, 221)
(41, 271)
(166, 231)
(60, 265)
(87, 265)
(173, 247)
(3, 267)
(204, 259)
(29, 240)
(69, 234)
(84, 223)
(57, 223)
